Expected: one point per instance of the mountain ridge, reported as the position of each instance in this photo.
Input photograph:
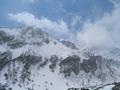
(31, 60)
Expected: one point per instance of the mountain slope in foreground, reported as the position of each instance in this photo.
(31, 60)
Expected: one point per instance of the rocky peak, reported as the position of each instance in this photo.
(69, 44)
(33, 35)
(4, 37)
(31, 32)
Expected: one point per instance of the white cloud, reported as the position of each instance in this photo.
(104, 32)
(30, 20)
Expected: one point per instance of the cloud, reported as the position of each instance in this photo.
(103, 32)
(29, 19)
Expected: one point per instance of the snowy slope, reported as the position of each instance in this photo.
(43, 78)
(31, 60)
(36, 43)
(107, 87)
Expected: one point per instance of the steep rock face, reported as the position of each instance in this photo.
(100, 67)
(95, 65)
(90, 64)
(5, 38)
(5, 58)
(69, 44)
(28, 61)
(70, 64)
(116, 87)
(4, 87)
(33, 36)
(24, 36)
(54, 61)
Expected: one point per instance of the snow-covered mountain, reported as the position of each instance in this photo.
(31, 60)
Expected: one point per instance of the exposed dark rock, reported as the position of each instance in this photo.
(16, 44)
(4, 87)
(5, 38)
(6, 76)
(70, 64)
(97, 65)
(90, 64)
(54, 59)
(28, 33)
(69, 44)
(5, 58)
(43, 63)
(116, 87)
(84, 89)
(28, 61)
(77, 89)
(47, 41)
